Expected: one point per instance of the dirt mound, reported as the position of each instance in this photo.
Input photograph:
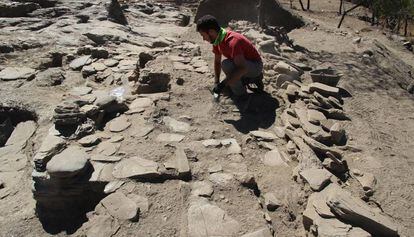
(263, 12)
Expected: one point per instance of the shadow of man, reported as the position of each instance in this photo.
(257, 111)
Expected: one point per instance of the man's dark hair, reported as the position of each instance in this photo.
(208, 22)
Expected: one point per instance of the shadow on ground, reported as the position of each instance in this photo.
(258, 111)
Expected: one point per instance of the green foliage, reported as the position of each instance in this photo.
(394, 8)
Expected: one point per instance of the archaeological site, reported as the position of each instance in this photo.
(123, 118)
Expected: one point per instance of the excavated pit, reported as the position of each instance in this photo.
(62, 205)
(262, 12)
(10, 116)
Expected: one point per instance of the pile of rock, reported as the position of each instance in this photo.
(313, 129)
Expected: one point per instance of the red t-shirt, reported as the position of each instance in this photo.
(235, 44)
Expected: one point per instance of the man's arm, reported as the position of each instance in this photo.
(240, 70)
(217, 68)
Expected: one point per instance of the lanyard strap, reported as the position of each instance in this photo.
(220, 36)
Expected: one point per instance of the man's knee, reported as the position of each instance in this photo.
(227, 66)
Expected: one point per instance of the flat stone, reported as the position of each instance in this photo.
(170, 164)
(264, 232)
(322, 208)
(284, 68)
(205, 219)
(274, 158)
(263, 136)
(68, 163)
(357, 212)
(267, 145)
(315, 116)
(89, 110)
(49, 147)
(119, 206)
(318, 200)
(119, 124)
(141, 131)
(22, 133)
(182, 66)
(176, 58)
(102, 225)
(136, 167)
(108, 148)
(105, 158)
(324, 89)
(156, 96)
(141, 103)
(88, 71)
(81, 90)
(211, 143)
(116, 139)
(176, 126)
(332, 227)
(15, 73)
(199, 63)
(141, 201)
(170, 137)
(102, 172)
(202, 188)
(78, 63)
(310, 128)
(271, 201)
(337, 133)
(99, 67)
(215, 168)
(280, 132)
(113, 186)
(110, 62)
(181, 162)
(203, 69)
(221, 179)
(90, 140)
(316, 178)
(282, 78)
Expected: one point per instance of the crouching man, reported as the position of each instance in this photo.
(243, 65)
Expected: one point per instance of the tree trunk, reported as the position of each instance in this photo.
(406, 26)
(373, 16)
(346, 12)
(301, 5)
(308, 5)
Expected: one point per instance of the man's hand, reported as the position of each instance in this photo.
(218, 88)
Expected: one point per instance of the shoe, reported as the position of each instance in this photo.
(258, 82)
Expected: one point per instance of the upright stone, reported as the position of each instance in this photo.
(181, 162)
(358, 213)
(324, 89)
(22, 133)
